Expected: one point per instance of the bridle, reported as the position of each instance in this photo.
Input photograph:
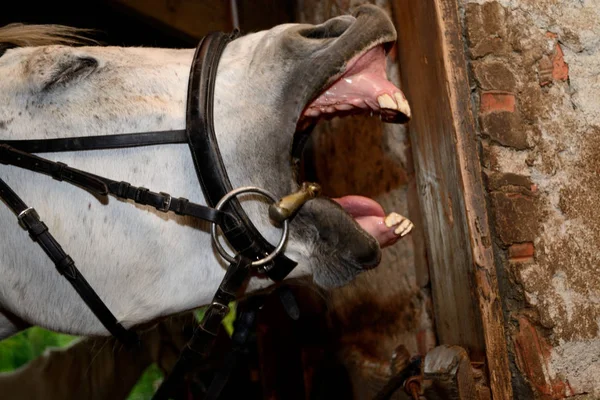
(254, 254)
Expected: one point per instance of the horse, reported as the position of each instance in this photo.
(146, 265)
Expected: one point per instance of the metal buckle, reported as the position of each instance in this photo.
(211, 324)
(166, 202)
(221, 309)
(22, 215)
(213, 227)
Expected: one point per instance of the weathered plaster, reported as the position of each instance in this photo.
(545, 53)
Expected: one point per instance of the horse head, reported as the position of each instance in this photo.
(274, 85)
(271, 87)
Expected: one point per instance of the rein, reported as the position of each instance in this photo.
(254, 254)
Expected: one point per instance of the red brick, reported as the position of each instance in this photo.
(553, 69)
(533, 353)
(560, 70)
(496, 100)
(521, 252)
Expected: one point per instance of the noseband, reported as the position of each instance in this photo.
(254, 254)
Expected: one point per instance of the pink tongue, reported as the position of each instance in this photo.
(359, 206)
(370, 216)
(362, 83)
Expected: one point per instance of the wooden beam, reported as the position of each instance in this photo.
(194, 19)
(442, 131)
(191, 18)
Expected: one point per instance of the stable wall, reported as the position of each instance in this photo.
(535, 78)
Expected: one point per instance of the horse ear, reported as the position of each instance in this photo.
(53, 69)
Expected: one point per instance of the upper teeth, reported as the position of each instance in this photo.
(403, 106)
(386, 101)
(400, 103)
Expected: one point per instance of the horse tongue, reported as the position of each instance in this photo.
(370, 216)
(359, 206)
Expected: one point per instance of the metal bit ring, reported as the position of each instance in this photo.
(228, 197)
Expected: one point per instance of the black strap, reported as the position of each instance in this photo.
(244, 326)
(38, 231)
(199, 346)
(102, 186)
(207, 158)
(98, 142)
(57, 170)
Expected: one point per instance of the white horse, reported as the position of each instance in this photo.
(145, 264)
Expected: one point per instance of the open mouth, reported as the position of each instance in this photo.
(363, 88)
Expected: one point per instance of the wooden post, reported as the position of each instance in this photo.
(442, 132)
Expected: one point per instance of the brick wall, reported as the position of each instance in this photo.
(535, 78)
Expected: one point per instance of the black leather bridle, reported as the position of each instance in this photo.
(222, 209)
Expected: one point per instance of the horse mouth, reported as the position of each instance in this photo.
(362, 88)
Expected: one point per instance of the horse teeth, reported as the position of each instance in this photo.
(312, 112)
(404, 225)
(403, 106)
(393, 219)
(386, 101)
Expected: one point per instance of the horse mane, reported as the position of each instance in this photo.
(23, 35)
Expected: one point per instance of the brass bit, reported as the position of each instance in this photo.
(287, 206)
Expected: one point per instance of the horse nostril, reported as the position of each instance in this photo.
(331, 29)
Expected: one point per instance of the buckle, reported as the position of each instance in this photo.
(24, 213)
(218, 308)
(140, 195)
(166, 204)
(58, 170)
(213, 317)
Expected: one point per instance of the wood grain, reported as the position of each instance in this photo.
(442, 132)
